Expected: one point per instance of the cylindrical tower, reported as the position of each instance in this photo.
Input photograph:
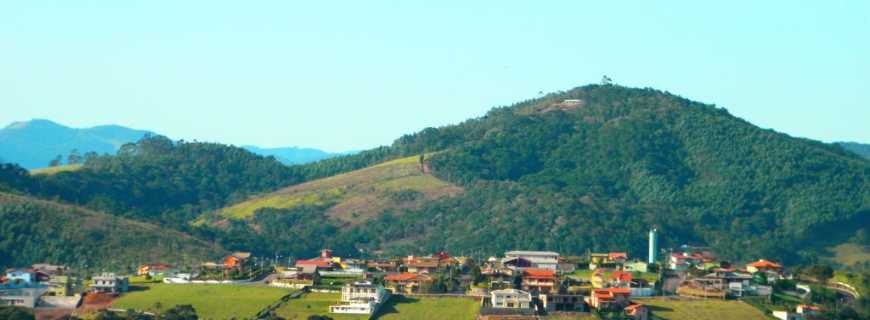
(653, 246)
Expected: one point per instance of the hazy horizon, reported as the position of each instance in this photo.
(361, 75)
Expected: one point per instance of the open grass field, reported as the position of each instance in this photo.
(53, 170)
(210, 301)
(426, 308)
(313, 304)
(680, 309)
(353, 197)
(398, 308)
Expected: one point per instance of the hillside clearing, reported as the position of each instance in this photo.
(848, 254)
(355, 196)
(210, 301)
(54, 170)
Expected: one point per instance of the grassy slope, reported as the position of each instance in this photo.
(702, 309)
(101, 239)
(58, 169)
(210, 301)
(355, 196)
(398, 308)
(849, 253)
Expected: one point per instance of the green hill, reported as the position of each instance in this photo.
(859, 148)
(33, 230)
(595, 172)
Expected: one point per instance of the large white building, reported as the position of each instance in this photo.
(510, 298)
(360, 298)
(532, 259)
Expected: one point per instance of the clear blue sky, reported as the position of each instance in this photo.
(356, 74)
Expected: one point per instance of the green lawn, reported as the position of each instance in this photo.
(407, 308)
(398, 308)
(673, 309)
(210, 301)
(313, 304)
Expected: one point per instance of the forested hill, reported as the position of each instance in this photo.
(859, 148)
(34, 231)
(596, 172)
(160, 181)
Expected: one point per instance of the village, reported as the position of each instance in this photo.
(517, 285)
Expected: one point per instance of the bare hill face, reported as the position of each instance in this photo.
(353, 197)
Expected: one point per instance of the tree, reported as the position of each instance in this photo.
(15, 313)
(605, 80)
(180, 312)
(74, 157)
(56, 161)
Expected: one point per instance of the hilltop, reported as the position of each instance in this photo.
(36, 230)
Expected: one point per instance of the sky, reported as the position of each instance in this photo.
(351, 75)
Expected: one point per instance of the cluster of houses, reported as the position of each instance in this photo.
(46, 285)
(518, 284)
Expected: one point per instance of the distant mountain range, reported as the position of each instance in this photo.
(33, 144)
(859, 148)
(293, 155)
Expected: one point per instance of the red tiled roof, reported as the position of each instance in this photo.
(319, 262)
(765, 264)
(617, 255)
(539, 273)
(400, 277)
(620, 276)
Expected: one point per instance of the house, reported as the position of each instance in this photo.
(763, 266)
(807, 310)
(154, 269)
(498, 278)
(383, 265)
(511, 298)
(563, 302)
(110, 283)
(297, 278)
(787, 315)
(60, 286)
(422, 264)
(236, 260)
(635, 266)
(619, 279)
(536, 259)
(637, 311)
(361, 298)
(606, 260)
(683, 261)
(323, 262)
(609, 299)
(617, 257)
(20, 278)
(49, 269)
(539, 280)
(21, 297)
(406, 282)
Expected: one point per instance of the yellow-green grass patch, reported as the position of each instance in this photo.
(352, 197)
(683, 309)
(54, 170)
(209, 301)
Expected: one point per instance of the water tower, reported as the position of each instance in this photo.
(653, 246)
